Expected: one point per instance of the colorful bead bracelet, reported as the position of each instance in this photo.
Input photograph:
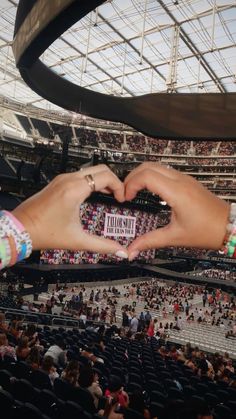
(15, 241)
(229, 245)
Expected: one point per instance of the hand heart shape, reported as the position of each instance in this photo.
(198, 217)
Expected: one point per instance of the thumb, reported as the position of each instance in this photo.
(101, 245)
(162, 237)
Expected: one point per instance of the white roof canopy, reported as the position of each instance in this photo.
(132, 47)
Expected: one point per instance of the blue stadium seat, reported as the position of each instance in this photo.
(5, 380)
(222, 412)
(6, 400)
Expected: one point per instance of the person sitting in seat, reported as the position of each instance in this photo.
(71, 373)
(58, 353)
(5, 348)
(23, 349)
(49, 368)
(3, 323)
(116, 392)
(89, 379)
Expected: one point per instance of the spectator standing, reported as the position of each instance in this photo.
(134, 325)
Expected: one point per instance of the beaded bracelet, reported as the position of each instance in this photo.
(15, 241)
(5, 252)
(229, 244)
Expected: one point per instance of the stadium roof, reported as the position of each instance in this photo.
(132, 47)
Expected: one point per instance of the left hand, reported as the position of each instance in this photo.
(52, 216)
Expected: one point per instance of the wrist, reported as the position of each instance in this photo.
(16, 243)
(229, 243)
(28, 224)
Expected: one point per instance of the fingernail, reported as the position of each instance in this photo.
(121, 254)
(133, 254)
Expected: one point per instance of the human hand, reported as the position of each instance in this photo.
(52, 215)
(198, 217)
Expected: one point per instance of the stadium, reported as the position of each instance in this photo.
(92, 335)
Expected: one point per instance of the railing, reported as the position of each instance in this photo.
(50, 319)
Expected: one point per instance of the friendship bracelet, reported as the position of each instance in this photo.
(5, 253)
(15, 241)
(229, 244)
(13, 251)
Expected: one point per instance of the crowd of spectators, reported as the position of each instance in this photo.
(225, 183)
(88, 138)
(136, 143)
(141, 314)
(111, 140)
(179, 147)
(141, 144)
(157, 146)
(216, 273)
(148, 303)
(204, 148)
(209, 165)
(177, 304)
(227, 148)
(103, 364)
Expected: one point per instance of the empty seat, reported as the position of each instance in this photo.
(188, 391)
(71, 410)
(133, 387)
(169, 383)
(24, 391)
(211, 399)
(222, 412)
(156, 409)
(165, 375)
(197, 399)
(154, 385)
(213, 387)
(83, 397)
(222, 395)
(194, 380)
(135, 378)
(157, 396)
(201, 388)
(6, 400)
(48, 402)
(175, 394)
(183, 381)
(62, 388)
(28, 411)
(22, 370)
(150, 376)
(5, 380)
(40, 379)
(232, 393)
(232, 405)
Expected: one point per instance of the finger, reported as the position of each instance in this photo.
(101, 245)
(105, 180)
(153, 181)
(91, 170)
(155, 239)
(164, 170)
(105, 191)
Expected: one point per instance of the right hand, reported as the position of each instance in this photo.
(198, 217)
